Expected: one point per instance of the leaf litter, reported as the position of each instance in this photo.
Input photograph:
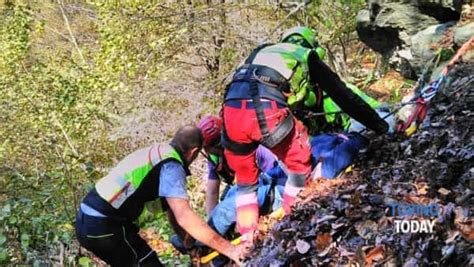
(347, 221)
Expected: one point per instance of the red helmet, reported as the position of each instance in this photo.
(211, 127)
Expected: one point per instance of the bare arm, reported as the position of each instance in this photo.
(212, 195)
(197, 228)
(185, 237)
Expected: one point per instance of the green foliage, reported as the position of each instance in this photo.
(15, 38)
(137, 70)
(49, 109)
(334, 19)
(85, 262)
(397, 95)
(444, 54)
(158, 221)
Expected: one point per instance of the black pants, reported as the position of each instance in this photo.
(114, 243)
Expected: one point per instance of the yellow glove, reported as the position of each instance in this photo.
(411, 130)
(278, 214)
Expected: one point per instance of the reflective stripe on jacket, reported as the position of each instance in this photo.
(291, 61)
(122, 194)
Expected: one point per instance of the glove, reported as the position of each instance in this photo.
(278, 214)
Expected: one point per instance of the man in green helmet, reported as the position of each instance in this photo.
(257, 103)
(330, 117)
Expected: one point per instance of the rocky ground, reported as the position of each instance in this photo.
(349, 220)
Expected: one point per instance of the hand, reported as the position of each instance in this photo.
(248, 240)
(238, 252)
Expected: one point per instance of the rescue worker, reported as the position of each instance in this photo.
(217, 167)
(256, 111)
(330, 118)
(331, 154)
(104, 223)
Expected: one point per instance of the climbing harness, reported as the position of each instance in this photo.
(273, 84)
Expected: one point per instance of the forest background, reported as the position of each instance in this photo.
(83, 83)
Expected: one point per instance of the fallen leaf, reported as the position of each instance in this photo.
(417, 200)
(444, 191)
(355, 199)
(366, 209)
(366, 229)
(461, 215)
(410, 263)
(374, 254)
(336, 226)
(326, 218)
(422, 188)
(324, 252)
(302, 246)
(447, 251)
(322, 241)
(345, 253)
(384, 222)
(467, 230)
(452, 236)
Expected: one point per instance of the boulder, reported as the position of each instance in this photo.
(421, 45)
(402, 31)
(380, 39)
(389, 26)
(463, 33)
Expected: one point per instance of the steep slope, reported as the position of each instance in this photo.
(349, 220)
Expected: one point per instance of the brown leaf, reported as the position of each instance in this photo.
(417, 200)
(422, 188)
(374, 254)
(467, 229)
(444, 191)
(155, 241)
(355, 199)
(360, 256)
(322, 241)
(384, 222)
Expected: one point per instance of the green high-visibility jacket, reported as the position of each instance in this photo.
(291, 61)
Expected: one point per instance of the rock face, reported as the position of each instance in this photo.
(402, 31)
(463, 33)
(420, 52)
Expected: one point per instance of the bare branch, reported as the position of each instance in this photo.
(296, 9)
(73, 39)
(66, 136)
(188, 63)
(68, 180)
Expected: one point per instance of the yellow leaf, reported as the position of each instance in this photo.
(68, 226)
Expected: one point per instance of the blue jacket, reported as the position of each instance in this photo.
(335, 152)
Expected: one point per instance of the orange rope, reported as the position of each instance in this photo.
(464, 48)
